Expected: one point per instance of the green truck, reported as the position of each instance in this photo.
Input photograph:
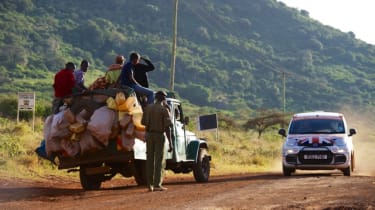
(189, 154)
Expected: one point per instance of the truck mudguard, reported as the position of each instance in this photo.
(193, 149)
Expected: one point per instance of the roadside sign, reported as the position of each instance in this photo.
(208, 122)
(26, 101)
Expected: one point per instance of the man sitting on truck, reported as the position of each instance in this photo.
(114, 71)
(63, 85)
(127, 78)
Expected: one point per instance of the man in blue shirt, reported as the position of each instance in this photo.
(127, 78)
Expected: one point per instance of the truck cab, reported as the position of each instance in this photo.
(189, 154)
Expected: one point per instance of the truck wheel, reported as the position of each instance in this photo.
(201, 169)
(140, 172)
(89, 182)
(287, 171)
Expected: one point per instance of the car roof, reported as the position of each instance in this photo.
(318, 114)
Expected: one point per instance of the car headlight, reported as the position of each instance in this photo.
(291, 142)
(340, 142)
(336, 149)
(291, 150)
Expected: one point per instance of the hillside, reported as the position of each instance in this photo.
(230, 54)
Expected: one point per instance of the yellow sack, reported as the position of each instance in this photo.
(111, 103)
(77, 127)
(130, 102)
(120, 98)
(137, 118)
(123, 107)
(133, 105)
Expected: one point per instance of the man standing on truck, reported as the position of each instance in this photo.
(63, 85)
(141, 69)
(79, 76)
(127, 78)
(157, 120)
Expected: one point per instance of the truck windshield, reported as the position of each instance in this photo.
(323, 126)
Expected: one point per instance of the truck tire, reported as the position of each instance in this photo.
(140, 172)
(201, 169)
(89, 182)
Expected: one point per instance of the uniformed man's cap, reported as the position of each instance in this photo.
(161, 93)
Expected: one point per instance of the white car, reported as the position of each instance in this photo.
(318, 141)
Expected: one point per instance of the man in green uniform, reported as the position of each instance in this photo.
(156, 118)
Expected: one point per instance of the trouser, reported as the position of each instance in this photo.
(56, 103)
(155, 158)
(148, 92)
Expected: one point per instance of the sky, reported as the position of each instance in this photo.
(346, 15)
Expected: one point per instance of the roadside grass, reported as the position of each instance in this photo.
(17, 157)
(235, 151)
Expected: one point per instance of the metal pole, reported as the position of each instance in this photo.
(18, 107)
(283, 92)
(283, 98)
(34, 112)
(174, 44)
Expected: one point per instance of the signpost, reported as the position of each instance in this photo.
(26, 102)
(209, 122)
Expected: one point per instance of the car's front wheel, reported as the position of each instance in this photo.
(288, 171)
(348, 171)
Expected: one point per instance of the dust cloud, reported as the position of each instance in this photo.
(364, 141)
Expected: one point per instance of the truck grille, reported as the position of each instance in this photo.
(315, 157)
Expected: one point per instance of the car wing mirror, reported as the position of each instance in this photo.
(282, 132)
(352, 131)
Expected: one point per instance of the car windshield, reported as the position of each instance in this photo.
(324, 126)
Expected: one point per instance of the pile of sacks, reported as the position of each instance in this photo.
(76, 135)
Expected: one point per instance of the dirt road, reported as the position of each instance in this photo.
(325, 190)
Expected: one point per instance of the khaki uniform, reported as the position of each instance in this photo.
(156, 118)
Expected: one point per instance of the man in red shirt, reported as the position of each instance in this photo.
(63, 85)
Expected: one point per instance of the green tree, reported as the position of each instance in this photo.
(264, 120)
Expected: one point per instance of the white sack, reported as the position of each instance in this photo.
(88, 143)
(101, 123)
(72, 148)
